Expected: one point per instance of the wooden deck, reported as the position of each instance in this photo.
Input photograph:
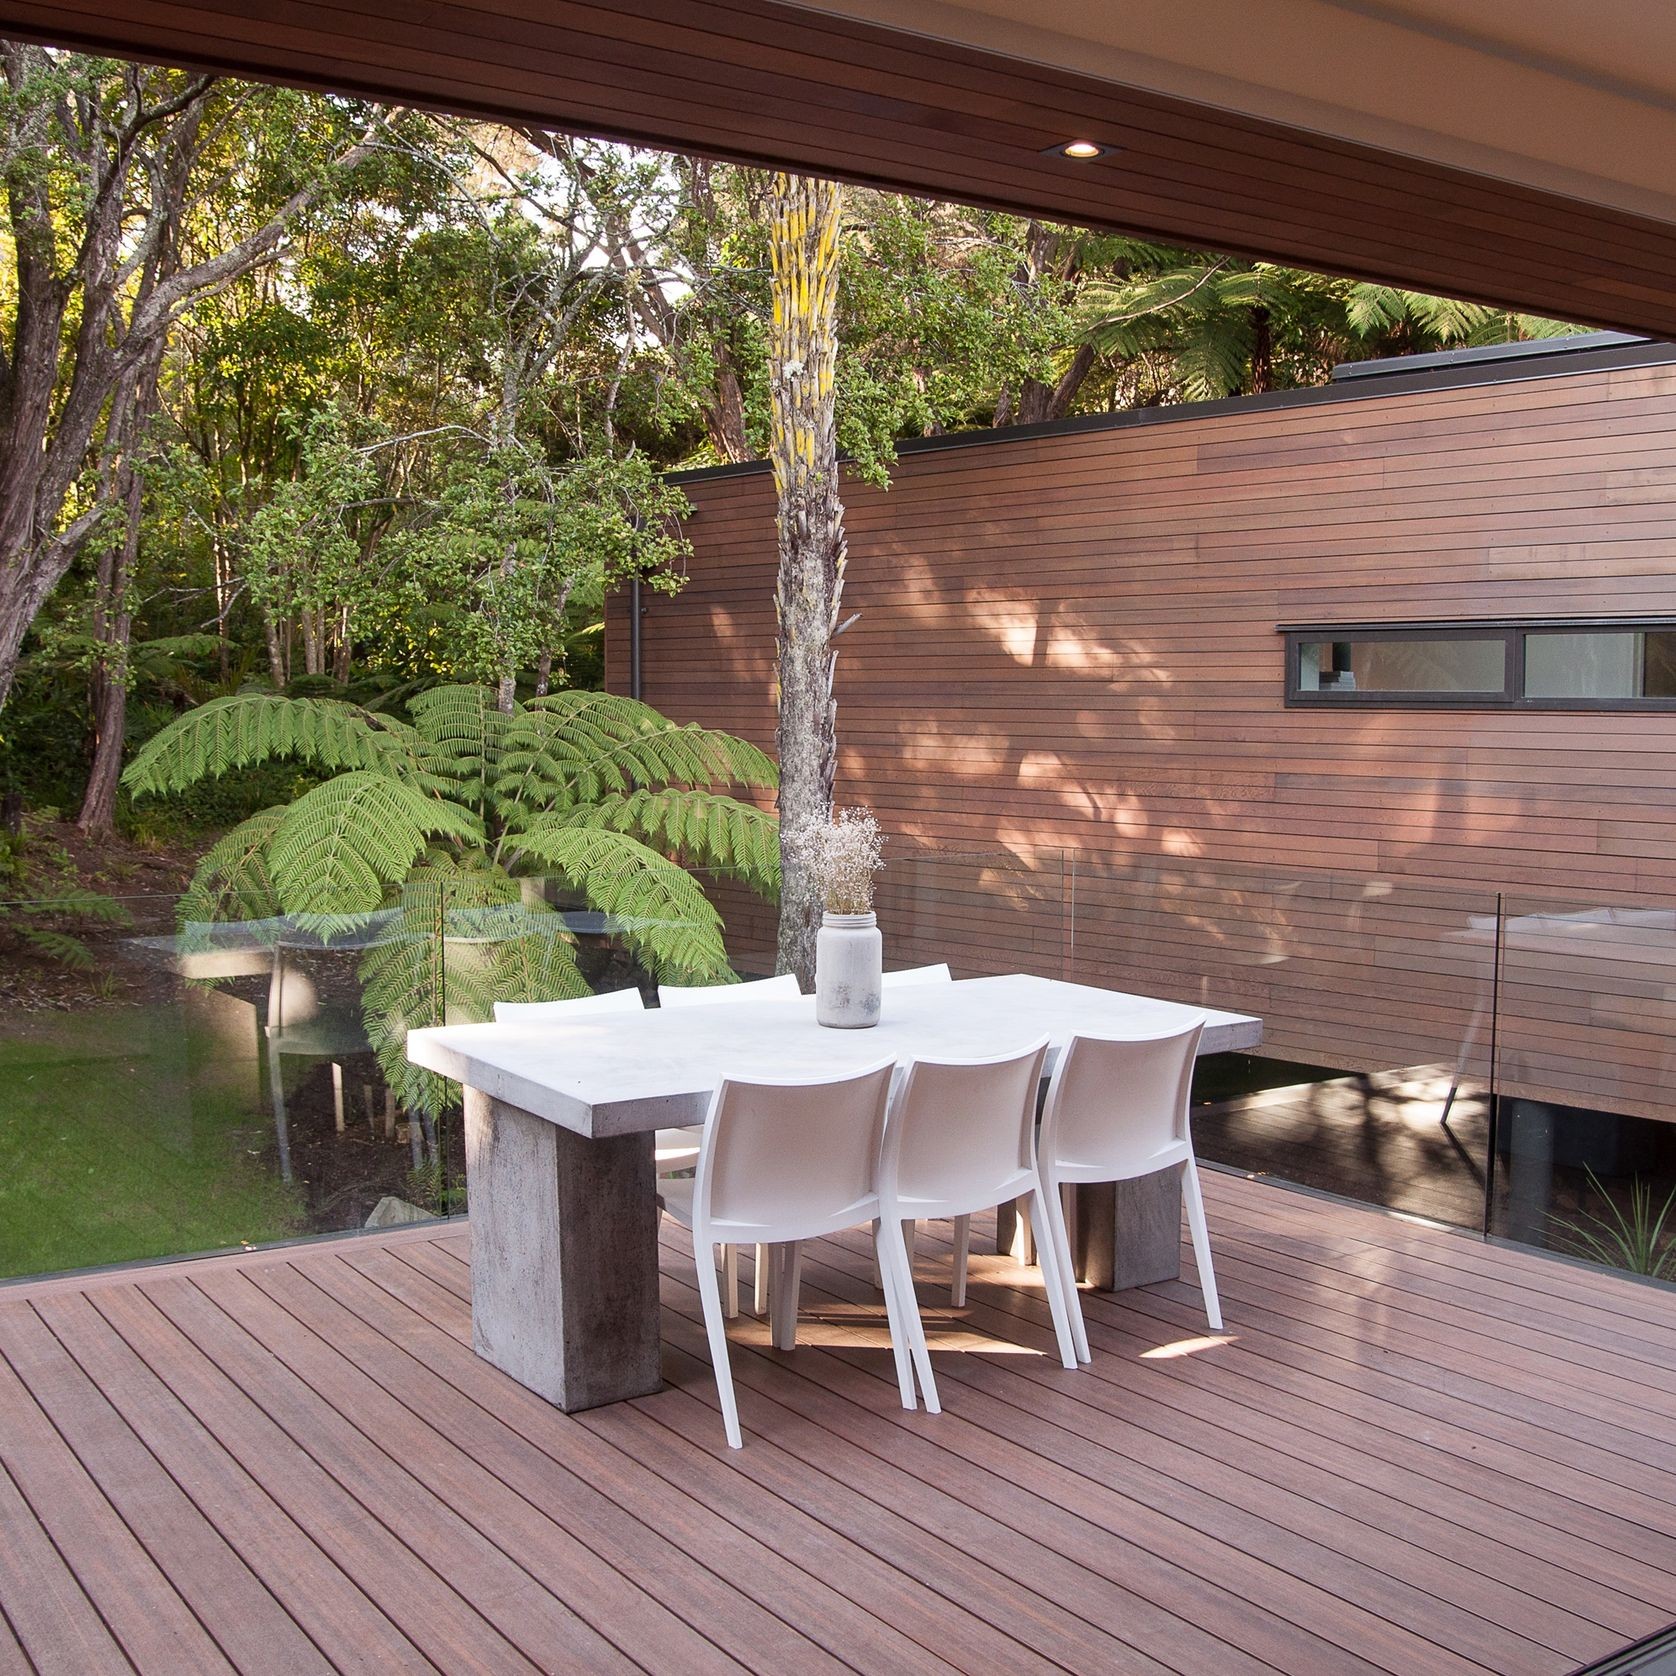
(1411, 1453)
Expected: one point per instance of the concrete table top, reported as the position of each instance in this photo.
(625, 1073)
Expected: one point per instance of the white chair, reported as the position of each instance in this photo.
(1116, 1110)
(961, 1137)
(914, 977)
(675, 1149)
(784, 1162)
(783, 988)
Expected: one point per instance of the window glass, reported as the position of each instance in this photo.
(1443, 665)
(1601, 664)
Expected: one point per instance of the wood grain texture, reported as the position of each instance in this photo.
(1411, 1452)
(771, 83)
(1066, 665)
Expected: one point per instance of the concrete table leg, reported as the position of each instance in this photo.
(1123, 1233)
(1129, 1232)
(564, 1256)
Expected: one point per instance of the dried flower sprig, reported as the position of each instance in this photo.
(842, 857)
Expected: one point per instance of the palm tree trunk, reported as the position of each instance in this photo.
(805, 219)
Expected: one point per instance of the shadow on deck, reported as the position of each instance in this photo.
(1411, 1453)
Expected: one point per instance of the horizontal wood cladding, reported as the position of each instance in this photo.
(771, 83)
(1065, 679)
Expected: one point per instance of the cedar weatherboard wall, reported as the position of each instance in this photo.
(1067, 642)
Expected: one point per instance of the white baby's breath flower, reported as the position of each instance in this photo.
(842, 858)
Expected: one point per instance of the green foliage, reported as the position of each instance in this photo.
(1639, 1237)
(129, 1134)
(250, 728)
(1196, 327)
(43, 903)
(456, 823)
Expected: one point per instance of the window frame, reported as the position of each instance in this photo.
(1512, 631)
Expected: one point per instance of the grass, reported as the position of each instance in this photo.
(131, 1131)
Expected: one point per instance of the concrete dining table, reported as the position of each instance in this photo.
(559, 1124)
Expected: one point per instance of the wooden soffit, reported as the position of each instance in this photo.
(856, 98)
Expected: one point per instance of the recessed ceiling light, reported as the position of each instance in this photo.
(1081, 151)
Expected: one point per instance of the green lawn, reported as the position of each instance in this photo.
(132, 1131)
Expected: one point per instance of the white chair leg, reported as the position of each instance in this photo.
(962, 1251)
(730, 1281)
(1058, 1235)
(910, 1238)
(893, 1254)
(1053, 1282)
(787, 1284)
(759, 1287)
(1201, 1243)
(899, 1338)
(709, 1292)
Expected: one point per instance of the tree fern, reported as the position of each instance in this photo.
(436, 818)
(662, 913)
(232, 881)
(576, 746)
(340, 847)
(249, 728)
(703, 827)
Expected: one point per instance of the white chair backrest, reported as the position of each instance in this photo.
(790, 1160)
(912, 976)
(536, 1012)
(1114, 1104)
(782, 988)
(958, 1129)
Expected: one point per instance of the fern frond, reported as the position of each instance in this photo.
(466, 735)
(574, 747)
(78, 902)
(661, 912)
(703, 828)
(461, 940)
(340, 847)
(249, 728)
(68, 951)
(232, 880)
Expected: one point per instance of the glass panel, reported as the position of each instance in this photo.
(1440, 664)
(1375, 998)
(981, 912)
(1601, 664)
(1586, 1062)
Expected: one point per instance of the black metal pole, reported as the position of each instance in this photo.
(1495, 1094)
(634, 637)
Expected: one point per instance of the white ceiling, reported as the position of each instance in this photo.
(1572, 97)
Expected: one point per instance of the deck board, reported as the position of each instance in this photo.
(1412, 1454)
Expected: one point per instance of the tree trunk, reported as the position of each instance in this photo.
(341, 658)
(108, 684)
(724, 409)
(543, 674)
(113, 617)
(1039, 403)
(805, 219)
(279, 665)
(1262, 351)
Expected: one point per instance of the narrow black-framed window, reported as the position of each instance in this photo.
(1534, 664)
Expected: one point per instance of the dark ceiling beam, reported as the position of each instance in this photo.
(763, 82)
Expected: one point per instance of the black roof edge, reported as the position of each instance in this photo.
(1467, 370)
(1573, 343)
